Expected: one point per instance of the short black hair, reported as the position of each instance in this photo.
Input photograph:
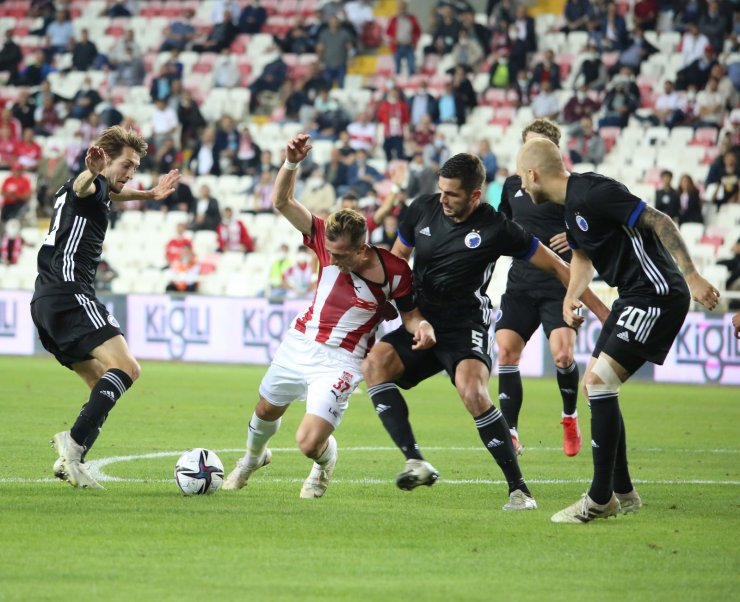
(467, 168)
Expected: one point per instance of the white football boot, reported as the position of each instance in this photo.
(242, 471)
(70, 453)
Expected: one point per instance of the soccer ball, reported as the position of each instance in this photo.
(199, 471)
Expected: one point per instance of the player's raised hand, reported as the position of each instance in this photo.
(559, 243)
(166, 185)
(702, 291)
(95, 160)
(298, 148)
(571, 312)
(424, 337)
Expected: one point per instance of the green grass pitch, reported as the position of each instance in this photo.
(365, 540)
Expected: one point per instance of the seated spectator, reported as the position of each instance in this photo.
(27, 151)
(713, 24)
(612, 33)
(298, 38)
(278, 267)
(438, 151)
(620, 103)
(191, 121)
(546, 70)
(120, 8)
(423, 134)
(161, 85)
(362, 131)
(646, 14)
(37, 69)
(268, 83)
(318, 195)
(23, 110)
(12, 243)
(666, 197)
(335, 170)
(385, 235)
(248, 153)
(488, 158)
(422, 177)
(577, 13)
(730, 95)
(668, 107)
(592, 72)
(466, 97)
(221, 35)
(450, 106)
(8, 145)
(105, 274)
(422, 103)
(722, 187)
(697, 73)
(467, 51)
(579, 105)
(252, 17)
(181, 199)
(693, 43)
(299, 278)
(361, 176)
(85, 100)
(403, 33)
(329, 116)
(447, 28)
(393, 113)
(59, 34)
(690, 202)
(184, 273)
(207, 214)
(51, 174)
(166, 156)
(709, 105)
(175, 244)
(636, 51)
(545, 105)
(586, 146)
(262, 193)
(16, 193)
(84, 52)
(733, 280)
(180, 34)
(11, 57)
(226, 71)
(164, 122)
(232, 234)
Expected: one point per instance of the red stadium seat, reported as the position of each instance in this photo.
(609, 135)
(705, 136)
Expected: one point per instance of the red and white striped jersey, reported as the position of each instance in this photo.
(347, 309)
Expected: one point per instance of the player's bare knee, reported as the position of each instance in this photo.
(508, 357)
(309, 444)
(563, 358)
(475, 400)
(132, 368)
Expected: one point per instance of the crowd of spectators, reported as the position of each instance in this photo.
(405, 125)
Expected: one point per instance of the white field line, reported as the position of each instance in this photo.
(96, 468)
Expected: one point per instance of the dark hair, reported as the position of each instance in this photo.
(350, 196)
(666, 172)
(543, 127)
(349, 223)
(467, 168)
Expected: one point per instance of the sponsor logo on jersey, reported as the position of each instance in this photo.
(582, 223)
(425, 231)
(113, 322)
(624, 336)
(472, 240)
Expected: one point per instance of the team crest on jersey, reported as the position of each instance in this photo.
(472, 240)
(113, 322)
(582, 223)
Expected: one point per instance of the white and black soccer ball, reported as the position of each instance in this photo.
(199, 471)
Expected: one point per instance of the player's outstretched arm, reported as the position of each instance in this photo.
(576, 277)
(282, 194)
(95, 162)
(665, 229)
(401, 250)
(423, 331)
(164, 188)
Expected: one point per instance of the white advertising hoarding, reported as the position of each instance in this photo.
(17, 332)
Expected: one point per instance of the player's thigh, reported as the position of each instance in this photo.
(518, 313)
(114, 353)
(418, 364)
(329, 388)
(562, 341)
(468, 341)
(510, 346)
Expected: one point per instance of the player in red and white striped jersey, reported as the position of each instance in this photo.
(319, 359)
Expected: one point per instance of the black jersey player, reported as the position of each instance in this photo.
(630, 244)
(532, 298)
(72, 323)
(457, 240)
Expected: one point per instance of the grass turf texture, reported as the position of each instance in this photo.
(365, 540)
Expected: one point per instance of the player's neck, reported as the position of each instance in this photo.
(560, 188)
(471, 208)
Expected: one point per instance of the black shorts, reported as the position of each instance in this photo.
(524, 312)
(71, 326)
(465, 341)
(642, 329)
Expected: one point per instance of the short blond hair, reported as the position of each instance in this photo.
(114, 139)
(347, 223)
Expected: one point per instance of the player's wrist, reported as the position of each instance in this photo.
(291, 165)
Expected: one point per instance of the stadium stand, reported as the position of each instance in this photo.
(636, 153)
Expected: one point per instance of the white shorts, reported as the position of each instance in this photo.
(303, 369)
